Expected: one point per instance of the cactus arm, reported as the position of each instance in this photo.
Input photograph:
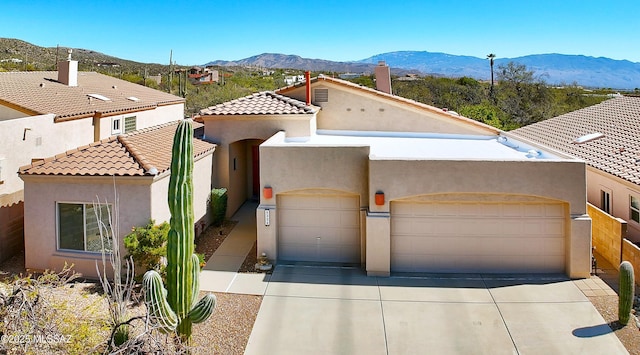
(203, 309)
(195, 283)
(155, 299)
(626, 292)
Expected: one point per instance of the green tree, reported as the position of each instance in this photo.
(522, 96)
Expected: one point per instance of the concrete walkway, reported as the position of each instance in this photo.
(221, 272)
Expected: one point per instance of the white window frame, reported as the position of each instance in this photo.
(84, 226)
(632, 209)
(116, 125)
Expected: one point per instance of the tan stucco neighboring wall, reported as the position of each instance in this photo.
(201, 190)
(291, 168)
(619, 190)
(558, 180)
(39, 137)
(144, 119)
(36, 137)
(41, 195)
(353, 109)
(555, 180)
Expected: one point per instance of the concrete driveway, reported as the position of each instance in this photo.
(327, 310)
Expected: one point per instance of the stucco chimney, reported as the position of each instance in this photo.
(68, 71)
(383, 77)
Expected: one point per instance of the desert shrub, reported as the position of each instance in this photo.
(218, 203)
(147, 245)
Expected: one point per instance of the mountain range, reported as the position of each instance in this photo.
(555, 69)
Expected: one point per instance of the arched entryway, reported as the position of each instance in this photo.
(244, 172)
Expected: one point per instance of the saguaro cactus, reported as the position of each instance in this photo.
(175, 307)
(626, 293)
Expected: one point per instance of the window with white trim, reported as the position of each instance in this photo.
(130, 124)
(605, 201)
(634, 208)
(79, 226)
(116, 125)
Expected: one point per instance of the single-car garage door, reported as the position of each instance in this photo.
(319, 228)
(477, 237)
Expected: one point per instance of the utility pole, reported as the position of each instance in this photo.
(170, 70)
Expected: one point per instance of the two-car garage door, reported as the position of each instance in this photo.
(319, 228)
(477, 237)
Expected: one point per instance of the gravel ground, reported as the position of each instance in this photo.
(228, 329)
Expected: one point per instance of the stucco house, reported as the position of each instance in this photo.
(607, 137)
(60, 192)
(47, 113)
(348, 174)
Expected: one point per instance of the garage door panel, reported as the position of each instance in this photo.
(319, 228)
(478, 237)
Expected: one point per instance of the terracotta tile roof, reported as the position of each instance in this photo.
(262, 103)
(617, 153)
(400, 99)
(38, 93)
(133, 154)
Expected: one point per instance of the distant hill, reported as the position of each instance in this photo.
(284, 61)
(555, 69)
(44, 58)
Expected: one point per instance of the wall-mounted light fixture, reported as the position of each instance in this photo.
(379, 198)
(267, 192)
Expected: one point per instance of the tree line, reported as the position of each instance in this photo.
(518, 98)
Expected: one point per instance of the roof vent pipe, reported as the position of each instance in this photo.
(307, 77)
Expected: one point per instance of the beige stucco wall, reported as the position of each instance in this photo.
(291, 168)
(201, 190)
(244, 131)
(140, 199)
(619, 190)
(41, 195)
(558, 180)
(355, 109)
(43, 139)
(309, 169)
(144, 119)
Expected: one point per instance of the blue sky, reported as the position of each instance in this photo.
(202, 31)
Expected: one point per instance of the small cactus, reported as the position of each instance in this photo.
(626, 293)
(175, 307)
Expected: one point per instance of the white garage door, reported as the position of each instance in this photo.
(319, 228)
(477, 237)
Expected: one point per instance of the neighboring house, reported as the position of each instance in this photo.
(60, 192)
(607, 137)
(46, 113)
(198, 75)
(292, 79)
(348, 174)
